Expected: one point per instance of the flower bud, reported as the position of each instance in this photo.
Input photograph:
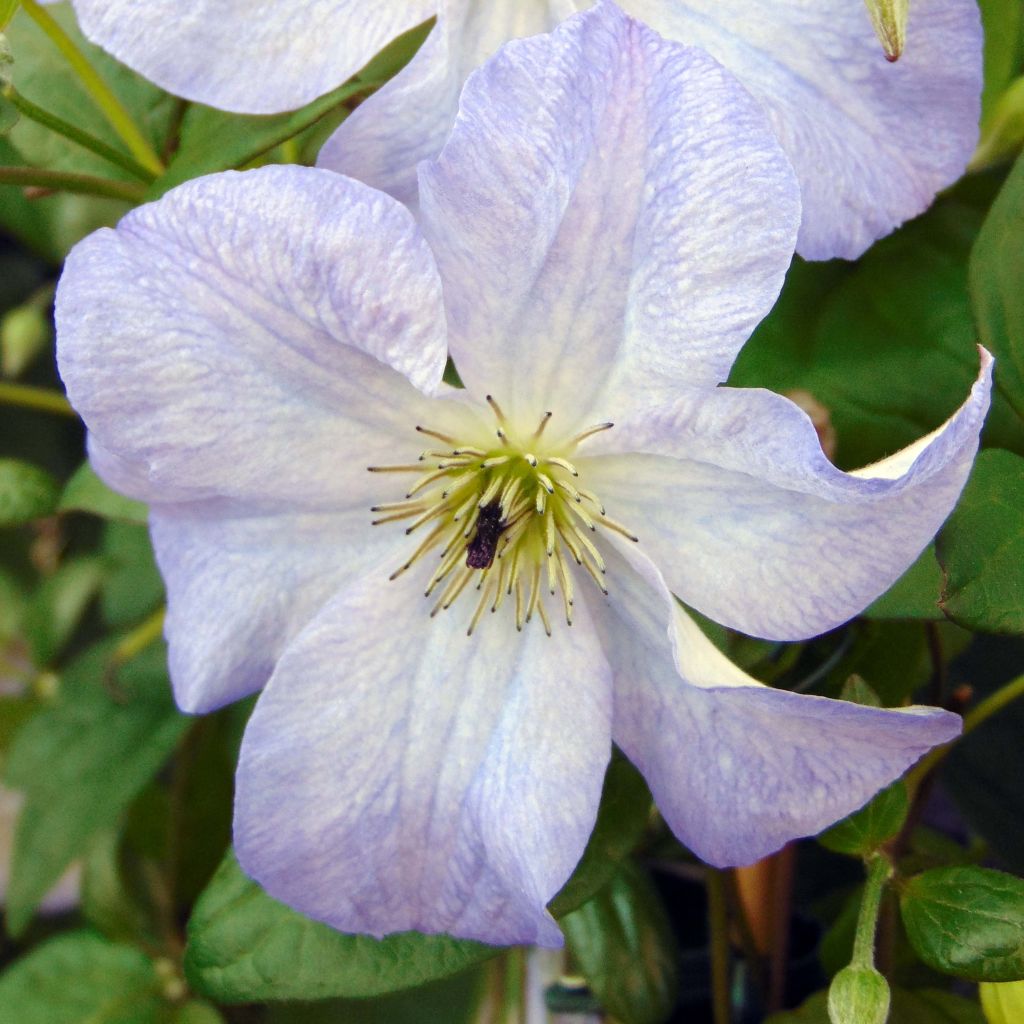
(858, 995)
(890, 20)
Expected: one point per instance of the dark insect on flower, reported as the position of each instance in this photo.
(482, 548)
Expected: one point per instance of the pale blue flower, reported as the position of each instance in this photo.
(872, 142)
(609, 220)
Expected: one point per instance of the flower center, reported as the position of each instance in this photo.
(510, 518)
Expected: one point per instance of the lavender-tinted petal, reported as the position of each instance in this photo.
(753, 526)
(249, 56)
(872, 142)
(240, 587)
(397, 774)
(408, 120)
(738, 769)
(609, 206)
(254, 336)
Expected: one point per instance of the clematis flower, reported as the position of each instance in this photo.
(872, 142)
(461, 598)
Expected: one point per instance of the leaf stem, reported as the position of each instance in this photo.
(64, 181)
(146, 633)
(718, 926)
(78, 136)
(879, 873)
(102, 95)
(29, 397)
(990, 706)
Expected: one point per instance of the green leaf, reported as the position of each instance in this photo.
(915, 595)
(981, 548)
(212, 140)
(967, 921)
(921, 1006)
(888, 345)
(1002, 23)
(86, 492)
(58, 605)
(26, 492)
(42, 75)
(133, 587)
(625, 808)
(107, 900)
(997, 287)
(857, 691)
(864, 831)
(82, 761)
(624, 945)
(9, 115)
(80, 978)
(197, 1012)
(25, 332)
(244, 946)
(7, 9)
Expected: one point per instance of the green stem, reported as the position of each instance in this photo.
(102, 95)
(76, 135)
(879, 873)
(64, 181)
(982, 713)
(718, 926)
(29, 397)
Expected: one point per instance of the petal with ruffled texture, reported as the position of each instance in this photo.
(256, 336)
(754, 527)
(611, 216)
(872, 142)
(416, 778)
(249, 56)
(736, 768)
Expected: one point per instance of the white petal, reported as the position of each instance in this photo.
(611, 215)
(397, 774)
(872, 142)
(736, 768)
(249, 56)
(254, 335)
(408, 120)
(239, 587)
(734, 500)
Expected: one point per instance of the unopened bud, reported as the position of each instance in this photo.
(890, 20)
(1003, 1003)
(858, 995)
(24, 333)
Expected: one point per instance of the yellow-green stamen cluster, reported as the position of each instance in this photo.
(511, 519)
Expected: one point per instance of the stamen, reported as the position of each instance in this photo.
(589, 432)
(619, 528)
(544, 616)
(505, 518)
(563, 463)
(481, 605)
(534, 592)
(497, 408)
(432, 540)
(440, 437)
(543, 423)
